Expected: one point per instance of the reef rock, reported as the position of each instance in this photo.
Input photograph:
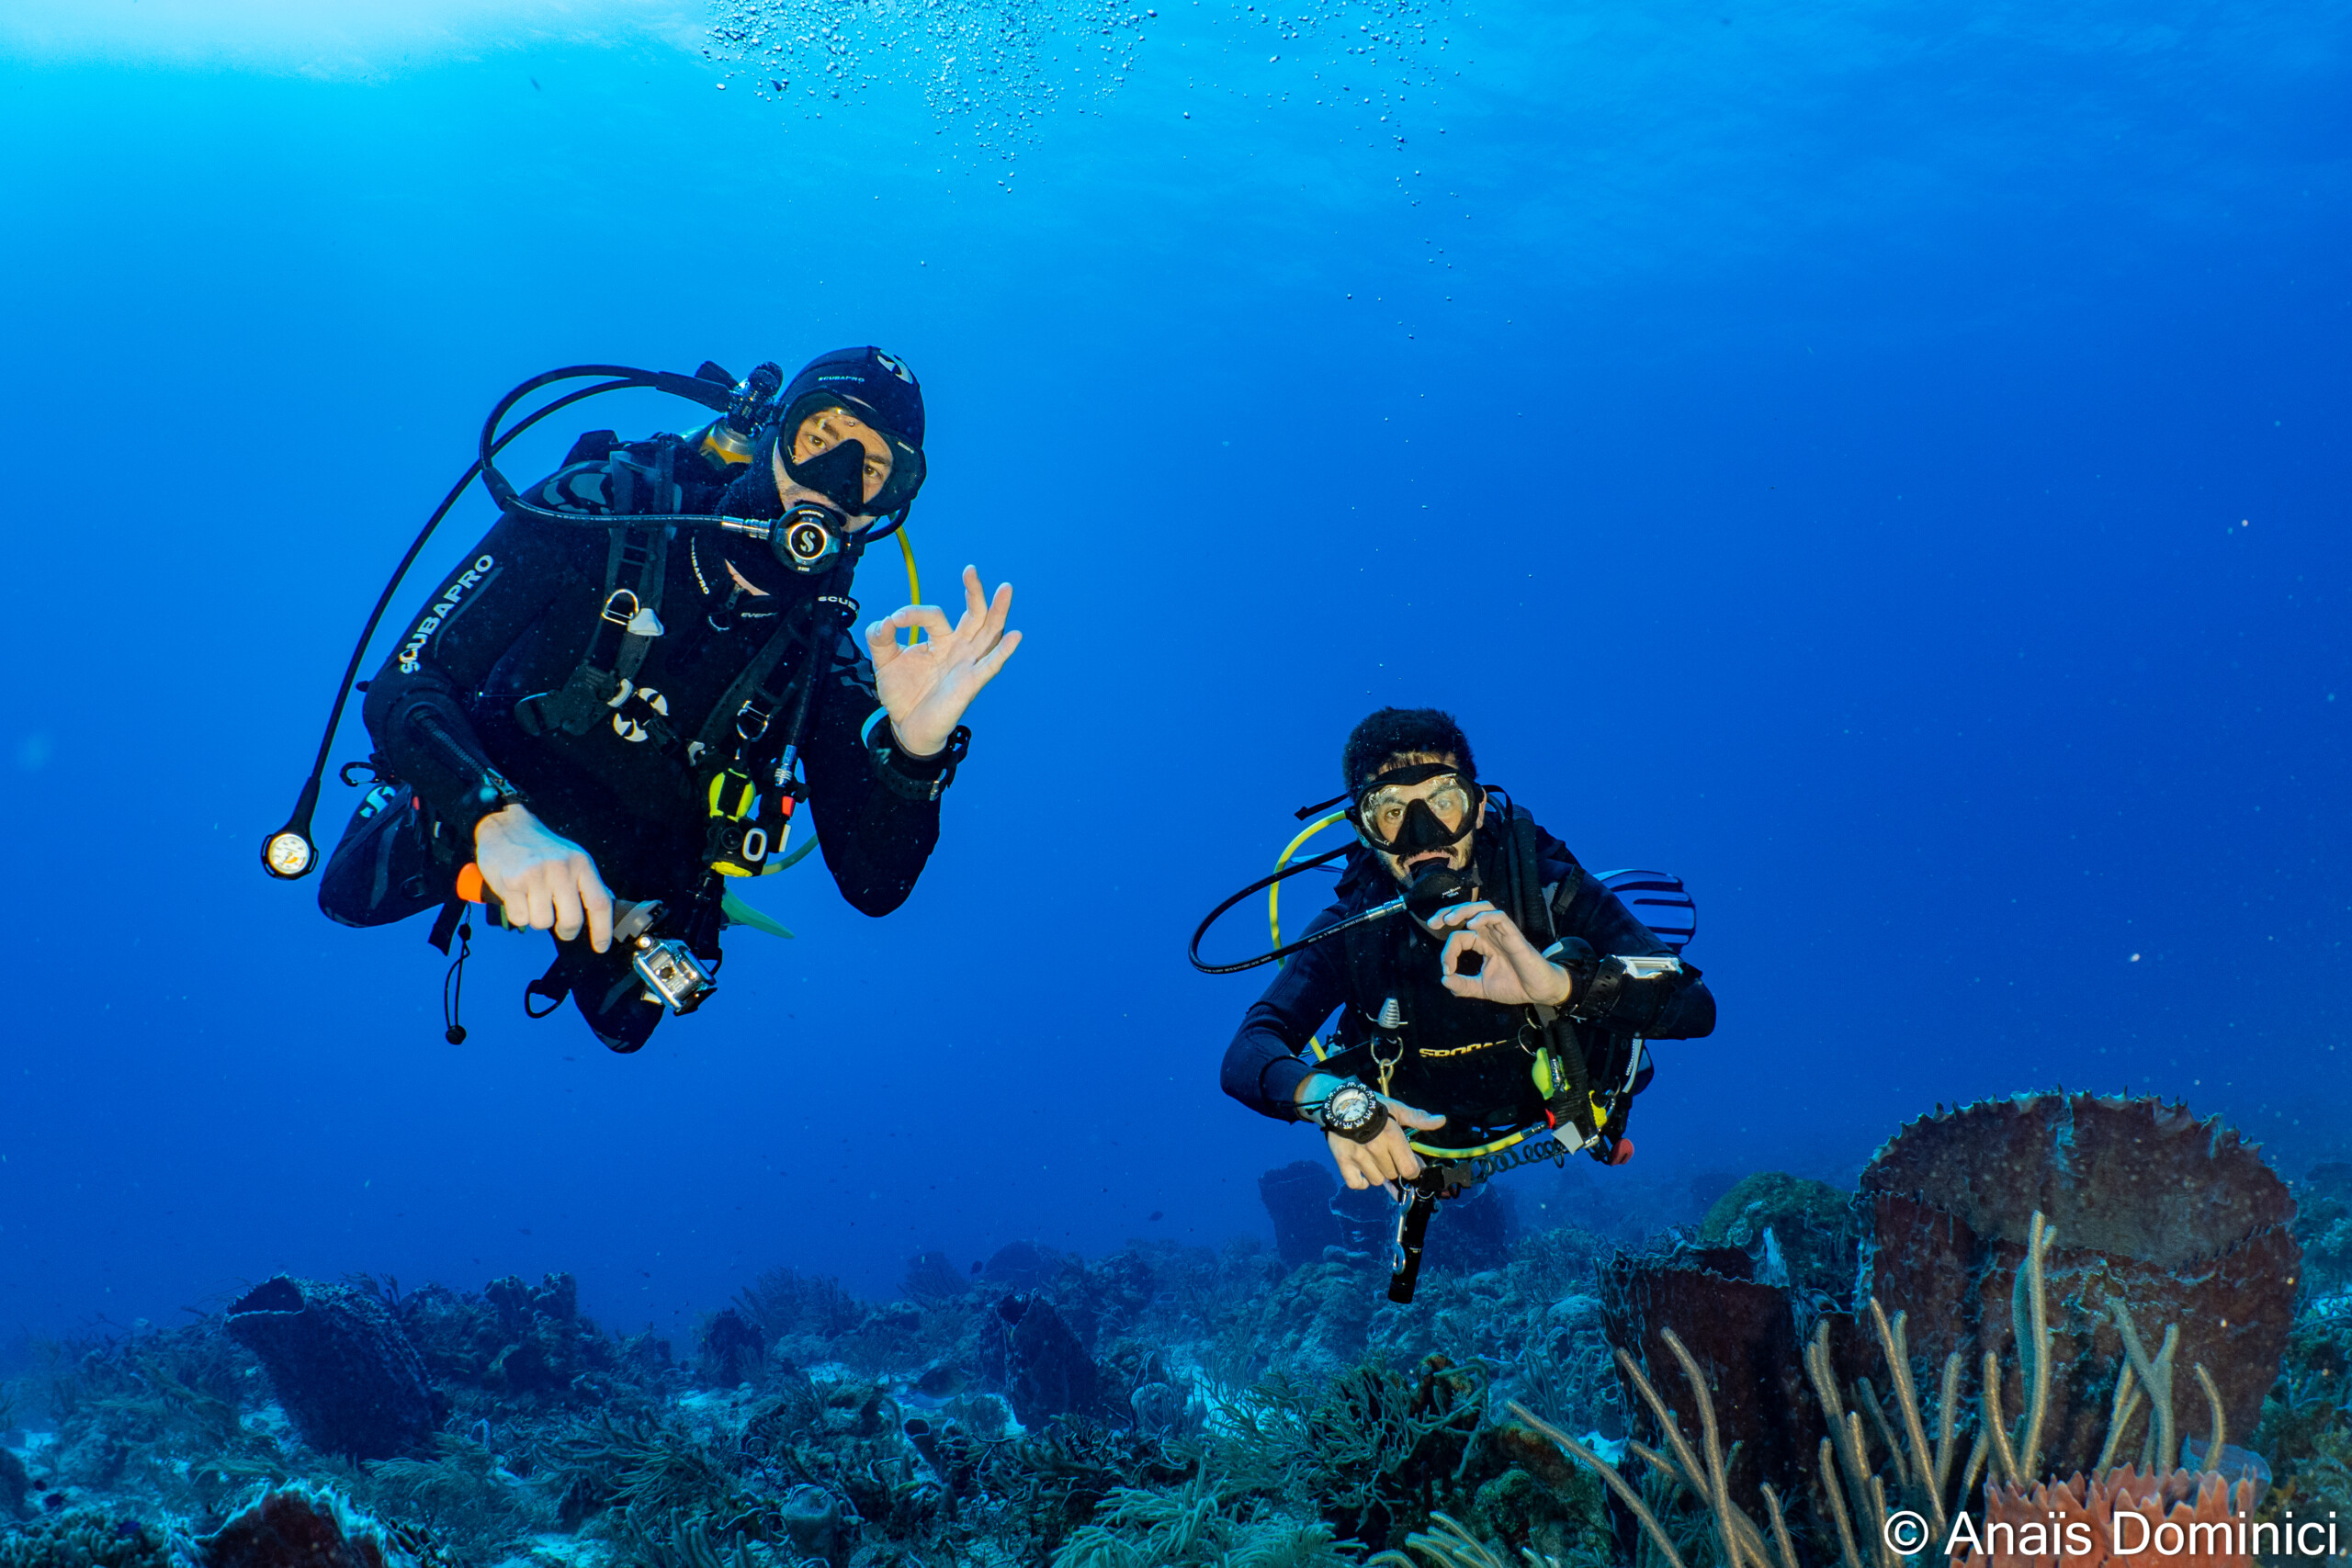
(340, 1365)
(1803, 1234)
(2174, 1219)
(1022, 1266)
(929, 1277)
(14, 1485)
(517, 1341)
(1544, 1503)
(733, 1349)
(2324, 1225)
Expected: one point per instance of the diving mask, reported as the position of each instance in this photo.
(832, 445)
(1412, 810)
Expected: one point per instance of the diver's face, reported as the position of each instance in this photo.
(1446, 798)
(819, 433)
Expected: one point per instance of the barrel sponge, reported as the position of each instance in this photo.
(340, 1365)
(2169, 1218)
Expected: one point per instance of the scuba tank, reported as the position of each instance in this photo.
(728, 440)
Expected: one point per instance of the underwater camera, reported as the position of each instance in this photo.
(671, 973)
(666, 964)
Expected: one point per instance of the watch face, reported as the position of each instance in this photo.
(1350, 1107)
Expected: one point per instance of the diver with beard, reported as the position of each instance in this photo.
(1512, 996)
(596, 727)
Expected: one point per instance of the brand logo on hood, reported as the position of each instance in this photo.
(894, 367)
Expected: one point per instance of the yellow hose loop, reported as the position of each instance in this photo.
(1496, 1147)
(1274, 899)
(914, 583)
(1274, 892)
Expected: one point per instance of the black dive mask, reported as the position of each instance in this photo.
(1403, 826)
(838, 473)
(1423, 831)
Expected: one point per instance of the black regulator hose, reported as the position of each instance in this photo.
(1424, 897)
(289, 853)
(714, 395)
(1192, 950)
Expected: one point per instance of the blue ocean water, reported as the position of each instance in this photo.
(1884, 463)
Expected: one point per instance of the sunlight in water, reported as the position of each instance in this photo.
(351, 38)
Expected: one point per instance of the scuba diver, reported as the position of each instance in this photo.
(1501, 1021)
(595, 723)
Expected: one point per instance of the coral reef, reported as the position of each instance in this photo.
(342, 1366)
(733, 1349)
(516, 1343)
(86, 1539)
(1172, 1405)
(1922, 1477)
(2306, 1427)
(2324, 1227)
(1196, 1526)
(1800, 1233)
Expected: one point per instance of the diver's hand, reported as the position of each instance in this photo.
(1513, 973)
(545, 881)
(927, 687)
(1390, 1157)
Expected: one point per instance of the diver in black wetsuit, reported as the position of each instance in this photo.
(587, 714)
(1540, 1028)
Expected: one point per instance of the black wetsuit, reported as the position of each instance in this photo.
(1457, 1057)
(513, 621)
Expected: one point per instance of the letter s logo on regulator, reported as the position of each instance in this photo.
(440, 611)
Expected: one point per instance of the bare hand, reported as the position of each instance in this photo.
(1390, 1157)
(545, 881)
(927, 687)
(1512, 973)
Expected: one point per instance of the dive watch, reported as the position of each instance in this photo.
(1353, 1111)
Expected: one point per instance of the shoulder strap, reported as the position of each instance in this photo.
(643, 555)
(636, 568)
(742, 716)
(1371, 991)
(1525, 896)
